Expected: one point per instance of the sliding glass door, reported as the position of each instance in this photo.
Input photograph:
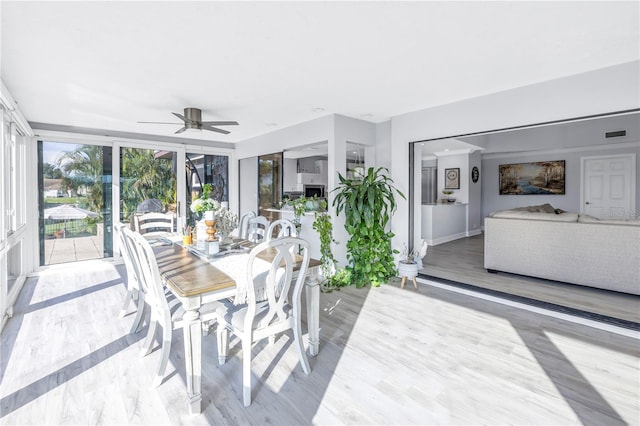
(75, 202)
(204, 169)
(147, 182)
(269, 183)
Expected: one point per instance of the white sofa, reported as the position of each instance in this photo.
(565, 247)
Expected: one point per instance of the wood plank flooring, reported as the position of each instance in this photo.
(387, 356)
(462, 260)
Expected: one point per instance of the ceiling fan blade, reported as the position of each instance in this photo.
(180, 116)
(158, 122)
(180, 130)
(215, 129)
(219, 123)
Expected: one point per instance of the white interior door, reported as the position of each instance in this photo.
(608, 186)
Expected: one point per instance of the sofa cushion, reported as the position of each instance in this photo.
(585, 218)
(543, 208)
(522, 214)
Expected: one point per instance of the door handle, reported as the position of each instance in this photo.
(587, 202)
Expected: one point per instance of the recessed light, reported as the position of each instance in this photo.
(317, 109)
(272, 124)
(366, 115)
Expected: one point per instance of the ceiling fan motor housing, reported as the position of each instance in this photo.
(194, 118)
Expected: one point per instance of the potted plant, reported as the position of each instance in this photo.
(324, 227)
(367, 203)
(341, 278)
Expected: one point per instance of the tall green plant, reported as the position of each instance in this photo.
(368, 203)
(324, 227)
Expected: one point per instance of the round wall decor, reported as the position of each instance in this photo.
(475, 174)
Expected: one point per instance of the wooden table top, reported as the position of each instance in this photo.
(190, 275)
(187, 274)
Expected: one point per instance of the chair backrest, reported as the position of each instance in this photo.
(275, 283)
(243, 224)
(125, 252)
(148, 273)
(149, 223)
(284, 228)
(257, 229)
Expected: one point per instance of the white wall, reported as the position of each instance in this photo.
(289, 174)
(457, 161)
(309, 132)
(248, 193)
(610, 89)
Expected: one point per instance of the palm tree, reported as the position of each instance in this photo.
(145, 177)
(84, 166)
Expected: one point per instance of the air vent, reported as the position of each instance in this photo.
(617, 134)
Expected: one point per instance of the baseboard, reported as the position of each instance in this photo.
(446, 238)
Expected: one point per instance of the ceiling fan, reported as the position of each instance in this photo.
(192, 119)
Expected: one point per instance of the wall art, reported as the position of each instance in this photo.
(541, 178)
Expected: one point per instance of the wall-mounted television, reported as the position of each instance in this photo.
(314, 191)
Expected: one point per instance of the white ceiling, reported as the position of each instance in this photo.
(107, 65)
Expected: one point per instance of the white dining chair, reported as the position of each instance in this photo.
(263, 308)
(243, 224)
(165, 308)
(154, 224)
(257, 229)
(281, 228)
(133, 285)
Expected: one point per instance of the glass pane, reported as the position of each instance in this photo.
(202, 169)
(269, 182)
(147, 182)
(75, 201)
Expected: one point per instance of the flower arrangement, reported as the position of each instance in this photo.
(226, 220)
(205, 203)
(202, 205)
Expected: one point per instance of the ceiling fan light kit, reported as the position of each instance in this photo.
(192, 119)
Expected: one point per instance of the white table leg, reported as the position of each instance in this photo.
(193, 359)
(312, 293)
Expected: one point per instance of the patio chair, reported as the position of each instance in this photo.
(133, 285)
(262, 309)
(154, 224)
(285, 228)
(165, 308)
(257, 229)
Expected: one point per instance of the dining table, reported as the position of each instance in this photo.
(197, 278)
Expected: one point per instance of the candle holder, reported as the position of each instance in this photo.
(211, 229)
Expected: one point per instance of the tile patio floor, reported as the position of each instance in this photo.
(62, 250)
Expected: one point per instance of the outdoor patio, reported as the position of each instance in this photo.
(61, 250)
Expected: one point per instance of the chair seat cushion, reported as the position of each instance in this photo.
(207, 311)
(234, 314)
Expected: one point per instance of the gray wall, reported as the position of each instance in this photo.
(491, 200)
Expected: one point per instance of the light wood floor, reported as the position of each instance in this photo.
(462, 260)
(387, 356)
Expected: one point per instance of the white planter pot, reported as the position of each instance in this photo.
(408, 270)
